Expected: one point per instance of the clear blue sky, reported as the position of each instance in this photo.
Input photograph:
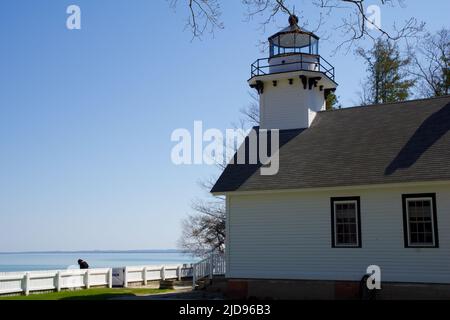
(86, 116)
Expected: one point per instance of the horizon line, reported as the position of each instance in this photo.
(95, 251)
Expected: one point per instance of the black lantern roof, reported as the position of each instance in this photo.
(293, 39)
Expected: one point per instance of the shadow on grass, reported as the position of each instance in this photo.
(104, 296)
(91, 294)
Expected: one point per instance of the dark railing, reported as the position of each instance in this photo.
(314, 63)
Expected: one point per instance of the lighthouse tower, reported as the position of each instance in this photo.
(294, 81)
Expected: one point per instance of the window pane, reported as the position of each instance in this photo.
(428, 237)
(346, 223)
(420, 222)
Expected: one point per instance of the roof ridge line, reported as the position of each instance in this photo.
(387, 104)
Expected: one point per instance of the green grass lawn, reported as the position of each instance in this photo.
(89, 294)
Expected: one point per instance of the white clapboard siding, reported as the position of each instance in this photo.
(288, 236)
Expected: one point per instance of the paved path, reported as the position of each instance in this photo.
(181, 294)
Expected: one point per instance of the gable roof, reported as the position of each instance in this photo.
(389, 143)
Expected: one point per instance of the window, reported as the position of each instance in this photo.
(346, 222)
(419, 221)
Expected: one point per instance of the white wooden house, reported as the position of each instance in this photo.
(356, 187)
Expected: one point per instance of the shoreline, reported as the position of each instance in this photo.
(95, 251)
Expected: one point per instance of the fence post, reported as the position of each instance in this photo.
(110, 273)
(194, 277)
(163, 273)
(86, 279)
(145, 276)
(179, 273)
(125, 277)
(211, 266)
(58, 281)
(27, 284)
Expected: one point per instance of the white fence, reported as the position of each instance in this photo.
(26, 282)
(209, 267)
(148, 273)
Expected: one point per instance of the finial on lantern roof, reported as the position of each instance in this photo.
(293, 20)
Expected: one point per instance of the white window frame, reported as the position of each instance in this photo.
(411, 199)
(335, 224)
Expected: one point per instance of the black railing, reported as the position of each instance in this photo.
(262, 66)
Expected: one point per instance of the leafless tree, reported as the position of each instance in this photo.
(432, 64)
(364, 94)
(203, 230)
(250, 113)
(204, 15)
(356, 24)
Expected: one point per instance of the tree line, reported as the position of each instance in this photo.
(421, 71)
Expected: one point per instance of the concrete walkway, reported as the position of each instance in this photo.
(180, 294)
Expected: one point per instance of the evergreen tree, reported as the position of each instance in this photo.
(332, 101)
(387, 79)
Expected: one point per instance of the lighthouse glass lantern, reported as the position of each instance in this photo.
(294, 47)
(294, 81)
(293, 39)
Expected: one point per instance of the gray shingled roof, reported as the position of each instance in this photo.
(389, 143)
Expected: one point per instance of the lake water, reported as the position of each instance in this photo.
(64, 260)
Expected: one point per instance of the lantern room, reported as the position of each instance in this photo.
(292, 49)
(293, 39)
(294, 82)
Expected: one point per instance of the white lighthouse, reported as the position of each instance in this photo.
(294, 81)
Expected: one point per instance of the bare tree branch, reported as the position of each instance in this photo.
(432, 64)
(205, 15)
(250, 113)
(203, 231)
